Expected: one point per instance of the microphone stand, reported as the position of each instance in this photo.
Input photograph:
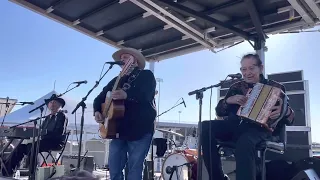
(199, 96)
(57, 96)
(32, 120)
(83, 105)
(152, 158)
(169, 109)
(34, 151)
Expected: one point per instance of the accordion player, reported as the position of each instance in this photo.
(261, 99)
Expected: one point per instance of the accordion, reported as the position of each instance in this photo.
(261, 99)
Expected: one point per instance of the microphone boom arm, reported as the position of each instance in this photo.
(170, 109)
(57, 96)
(96, 85)
(209, 87)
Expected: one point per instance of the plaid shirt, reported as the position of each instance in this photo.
(241, 88)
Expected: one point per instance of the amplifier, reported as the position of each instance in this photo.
(70, 162)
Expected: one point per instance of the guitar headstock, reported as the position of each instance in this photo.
(128, 67)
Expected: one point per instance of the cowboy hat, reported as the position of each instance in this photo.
(55, 97)
(135, 53)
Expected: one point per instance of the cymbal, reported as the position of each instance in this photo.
(170, 132)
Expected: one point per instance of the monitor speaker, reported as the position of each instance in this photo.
(70, 162)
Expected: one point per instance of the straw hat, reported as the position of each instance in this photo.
(135, 53)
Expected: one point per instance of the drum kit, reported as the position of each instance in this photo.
(176, 162)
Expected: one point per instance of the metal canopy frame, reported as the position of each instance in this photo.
(163, 29)
(201, 16)
(255, 19)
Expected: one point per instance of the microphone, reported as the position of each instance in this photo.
(115, 62)
(184, 103)
(23, 103)
(237, 76)
(80, 82)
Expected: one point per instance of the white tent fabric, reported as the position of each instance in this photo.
(23, 115)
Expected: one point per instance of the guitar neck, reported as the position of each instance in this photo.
(127, 69)
(108, 99)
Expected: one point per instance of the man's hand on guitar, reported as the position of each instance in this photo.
(98, 117)
(119, 95)
(276, 110)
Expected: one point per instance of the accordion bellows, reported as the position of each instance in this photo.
(261, 98)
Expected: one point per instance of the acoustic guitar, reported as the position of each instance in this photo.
(113, 110)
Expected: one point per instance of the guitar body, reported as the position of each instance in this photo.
(113, 110)
(108, 130)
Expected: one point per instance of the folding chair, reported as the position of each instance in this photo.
(277, 145)
(60, 148)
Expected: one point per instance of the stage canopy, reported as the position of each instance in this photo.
(164, 29)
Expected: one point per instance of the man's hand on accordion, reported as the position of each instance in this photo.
(237, 99)
(276, 110)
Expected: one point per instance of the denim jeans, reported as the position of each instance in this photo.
(131, 152)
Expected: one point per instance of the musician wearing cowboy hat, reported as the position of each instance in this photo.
(137, 126)
(55, 127)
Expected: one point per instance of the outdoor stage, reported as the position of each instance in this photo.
(164, 29)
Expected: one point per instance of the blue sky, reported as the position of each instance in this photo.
(36, 51)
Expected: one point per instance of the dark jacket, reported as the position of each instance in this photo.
(224, 109)
(56, 126)
(140, 112)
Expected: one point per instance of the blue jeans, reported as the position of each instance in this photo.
(131, 152)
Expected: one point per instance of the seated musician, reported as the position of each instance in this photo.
(136, 128)
(55, 124)
(244, 133)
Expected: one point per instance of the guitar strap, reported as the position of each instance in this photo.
(133, 76)
(127, 85)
